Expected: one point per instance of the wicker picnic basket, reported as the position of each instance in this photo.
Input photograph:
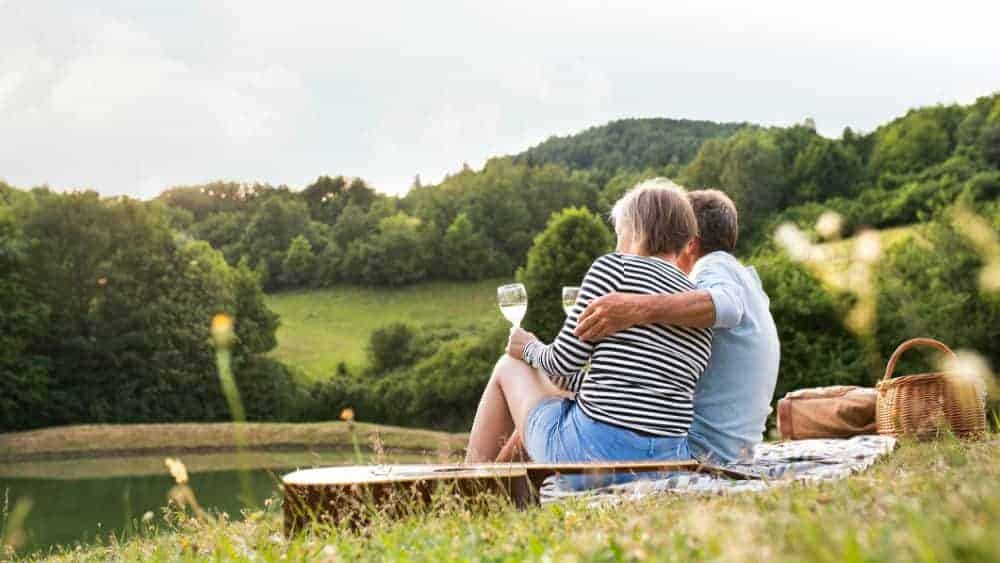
(925, 405)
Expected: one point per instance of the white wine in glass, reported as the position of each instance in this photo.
(513, 300)
(569, 297)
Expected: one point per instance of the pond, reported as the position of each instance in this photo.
(78, 500)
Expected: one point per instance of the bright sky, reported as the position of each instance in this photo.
(133, 97)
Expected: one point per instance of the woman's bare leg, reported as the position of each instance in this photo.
(513, 451)
(513, 390)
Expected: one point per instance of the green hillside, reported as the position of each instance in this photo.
(629, 144)
(320, 329)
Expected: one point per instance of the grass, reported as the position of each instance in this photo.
(320, 329)
(927, 502)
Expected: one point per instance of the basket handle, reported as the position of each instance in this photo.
(913, 343)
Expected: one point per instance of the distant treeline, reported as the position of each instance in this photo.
(478, 224)
(105, 302)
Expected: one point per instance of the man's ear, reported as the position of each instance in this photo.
(689, 255)
(693, 248)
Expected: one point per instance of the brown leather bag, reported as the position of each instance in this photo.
(840, 411)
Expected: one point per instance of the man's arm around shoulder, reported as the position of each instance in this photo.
(718, 303)
(615, 312)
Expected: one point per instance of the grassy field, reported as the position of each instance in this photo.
(928, 502)
(319, 329)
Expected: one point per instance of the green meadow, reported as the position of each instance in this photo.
(324, 327)
(926, 502)
(321, 328)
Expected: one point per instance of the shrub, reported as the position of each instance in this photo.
(390, 347)
(439, 390)
(561, 256)
(928, 286)
(816, 349)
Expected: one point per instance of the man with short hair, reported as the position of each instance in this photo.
(733, 397)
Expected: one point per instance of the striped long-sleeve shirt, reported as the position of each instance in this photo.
(642, 378)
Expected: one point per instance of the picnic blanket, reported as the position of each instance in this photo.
(777, 464)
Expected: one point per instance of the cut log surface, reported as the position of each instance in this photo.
(364, 474)
(353, 494)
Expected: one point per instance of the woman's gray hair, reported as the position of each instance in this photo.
(657, 214)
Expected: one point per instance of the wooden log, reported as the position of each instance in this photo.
(353, 495)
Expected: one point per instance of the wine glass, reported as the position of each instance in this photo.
(569, 297)
(513, 299)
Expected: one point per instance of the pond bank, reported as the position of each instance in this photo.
(117, 440)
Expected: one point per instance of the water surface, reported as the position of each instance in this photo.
(78, 500)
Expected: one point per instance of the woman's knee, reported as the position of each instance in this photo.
(505, 364)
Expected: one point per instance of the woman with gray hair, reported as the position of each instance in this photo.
(636, 400)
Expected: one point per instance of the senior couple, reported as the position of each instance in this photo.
(670, 353)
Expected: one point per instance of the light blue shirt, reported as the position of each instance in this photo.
(732, 399)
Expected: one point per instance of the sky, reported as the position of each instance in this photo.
(133, 97)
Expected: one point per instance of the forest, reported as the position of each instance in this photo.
(105, 302)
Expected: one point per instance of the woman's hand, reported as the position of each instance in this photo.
(519, 338)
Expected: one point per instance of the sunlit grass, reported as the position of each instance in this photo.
(322, 328)
(927, 502)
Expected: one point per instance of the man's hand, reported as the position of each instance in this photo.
(519, 338)
(609, 314)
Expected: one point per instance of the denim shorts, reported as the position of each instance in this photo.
(558, 431)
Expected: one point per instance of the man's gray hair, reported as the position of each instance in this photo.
(658, 215)
(718, 221)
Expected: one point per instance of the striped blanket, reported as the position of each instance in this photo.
(777, 464)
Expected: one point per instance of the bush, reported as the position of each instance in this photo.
(928, 286)
(440, 390)
(390, 347)
(816, 349)
(268, 389)
(561, 256)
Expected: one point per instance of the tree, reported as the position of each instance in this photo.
(560, 256)
(705, 171)
(498, 205)
(360, 194)
(354, 223)
(824, 169)
(256, 324)
(989, 142)
(271, 230)
(911, 143)
(24, 376)
(109, 309)
(465, 253)
(753, 176)
(326, 198)
(299, 265)
(395, 255)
